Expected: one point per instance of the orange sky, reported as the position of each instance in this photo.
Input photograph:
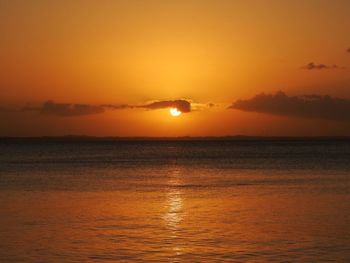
(134, 53)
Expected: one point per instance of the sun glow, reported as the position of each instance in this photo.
(175, 112)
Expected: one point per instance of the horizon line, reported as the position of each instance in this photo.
(175, 138)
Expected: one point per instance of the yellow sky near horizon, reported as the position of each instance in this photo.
(133, 51)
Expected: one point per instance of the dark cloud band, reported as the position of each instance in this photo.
(308, 106)
(66, 110)
(182, 105)
(72, 110)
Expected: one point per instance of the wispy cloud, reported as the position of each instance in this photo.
(117, 106)
(307, 106)
(315, 66)
(72, 110)
(182, 105)
(66, 109)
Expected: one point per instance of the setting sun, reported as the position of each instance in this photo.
(175, 112)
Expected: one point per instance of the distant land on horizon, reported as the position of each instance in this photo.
(179, 138)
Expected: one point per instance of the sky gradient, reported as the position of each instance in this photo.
(114, 68)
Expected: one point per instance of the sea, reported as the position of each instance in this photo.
(174, 200)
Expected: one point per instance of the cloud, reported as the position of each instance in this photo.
(71, 110)
(307, 106)
(314, 66)
(182, 105)
(66, 109)
(117, 106)
(348, 50)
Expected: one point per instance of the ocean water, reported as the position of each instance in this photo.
(175, 201)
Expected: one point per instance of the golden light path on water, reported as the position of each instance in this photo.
(174, 214)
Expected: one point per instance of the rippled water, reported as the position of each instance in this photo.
(174, 201)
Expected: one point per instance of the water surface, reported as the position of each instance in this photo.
(175, 201)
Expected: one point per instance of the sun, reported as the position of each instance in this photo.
(175, 112)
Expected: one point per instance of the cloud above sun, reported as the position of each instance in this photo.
(307, 106)
(73, 110)
(182, 105)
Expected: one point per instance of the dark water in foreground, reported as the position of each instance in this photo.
(175, 201)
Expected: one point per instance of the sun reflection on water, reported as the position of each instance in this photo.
(174, 213)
